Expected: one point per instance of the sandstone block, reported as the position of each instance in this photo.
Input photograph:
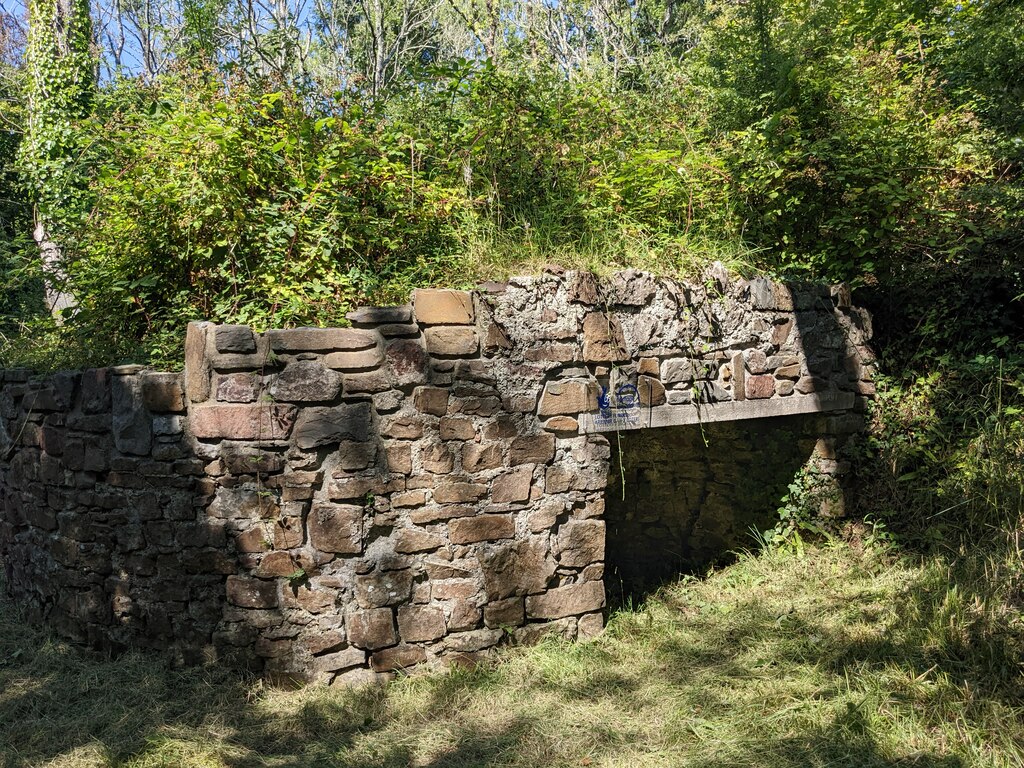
(677, 371)
(432, 400)
(504, 613)
(359, 360)
(336, 528)
(513, 486)
(411, 540)
(479, 457)
(516, 568)
(132, 425)
(652, 391)
(197, 364)
(407, 362)
(443, 307)
(420, 624)
(321, 339)
(457, 428)
(458, 493)
(237, 388)
(760, 387)
(451, 341)
(246, 592)
(95, 396)
(399, 456)
(397, 658)
(533, 449)
(306, 381)
(470, 530)
(383, 588)
(163, 392)
(242, 422)
(437, 457)
(380, 315)
(371, 629)
(320, 426)
(581, 542)
(402, 428)
(339, 660)
(562, 425)
(570, 600)
(275, 564)
(434, 513)
(603, 341)
(567, 398)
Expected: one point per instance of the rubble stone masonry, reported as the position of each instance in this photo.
(335, 504)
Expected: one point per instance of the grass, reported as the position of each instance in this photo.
(836, 658)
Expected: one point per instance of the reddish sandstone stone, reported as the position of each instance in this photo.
(533, 449)
(451, 341)
(443, 307)
(567, 398)
(243, 422)
(456, 428)
(251, 593)
(420, 624)
(470, 530)
(432, 400)
(760, 387)
(570, 600)
(336, 528)
(371, 629)
(397, 658)
(513, 486)
(479, 457)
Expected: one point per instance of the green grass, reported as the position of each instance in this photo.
(836, 658)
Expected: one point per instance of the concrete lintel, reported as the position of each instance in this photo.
(693, 413)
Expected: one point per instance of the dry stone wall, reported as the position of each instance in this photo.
(335, 504)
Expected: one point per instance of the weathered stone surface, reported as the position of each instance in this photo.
(677, 371)
(517, 568)
(336, 528)
(480, 457)
(306, 381)
(451, 341)
(242, 422)
(533, 449)
(509, 612)
(236, 339)
(458, 493)
(760, 387)
(456, 428)
(470, 530)
(419, 624)
(339, 660)
(383, 588)
(380, 315)
(652, 391)
(357, 360)
(432, 400)
(251, 593)
(581, 542)
(443, 307)
(322, 340)
(163, 392)
(197, 364)
(398, 658)
(132, 425)
(513, 486)
(411, 540)
(329, 426)
(237, 388)
(371, 629)
(603, 341)
(407, 362)
(566, 601)
(567, 398)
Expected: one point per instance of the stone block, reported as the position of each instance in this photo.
(276, 564)
(95, 397)
(652, 391)
(420, 623)
(480, 457)
(509, 612)
(306, 381)
(571, 600)
(236, 339)
(163, 392)
(451, 341)
(197, 364)
(398, 658)
(131, 424)
(319, 426)
(470, 530)
(371, 629)
(322, 340)
(340, 660)
(407, 362)
(380, 315)
(677, 371)
(432, 400)
(568, 398)
(603, 341)
(443, 307)
(562, 425)
(533, 449)
(336, 528)
(238, 387)
(383, 588)
(359, 360)
(760, 387)
(399, 456)
(459, 493)
(402, 428)
(580, 542)
(242, 422)
(516, 568)
(412, 540)
(456, 428)
(437, 458)
(247, 592)
(513, 486)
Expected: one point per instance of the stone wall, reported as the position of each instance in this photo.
(333, 504)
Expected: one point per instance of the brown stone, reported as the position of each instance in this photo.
(321, 339)
(570, 600)
(443, 307)
(252, 540)
(470, 530)
(781, 331)
(513, 486)
(436, 458)
(319, 426)
(336, 528)
(288, 532)
(362, 360)
(353, 455)
(504, 613)
(562, 425)
(784, 388)
(251, 593)
(760, 387)
(603, 341)
(464, 615)
(649, 366)
(533, 449)
(382, 588)
(399, 458)
(567, 398)
(454, 589)
(371, 629)
(451, 341)
(243, 422)
(410, 540)
(652, 391)
(420, 624)
(234, 339)
(788, 372)
(479, 457)
(458, 493)
(402, 428)
(409, 499)
(581, 542)
(276, 564)
(432, 400)
(456, 428)
(590, 626)
(516, 568)
(345, 659)
(397, 658)
(197, 364)
(237, 387)
(303, 596)
(434, 513)
(163, 392)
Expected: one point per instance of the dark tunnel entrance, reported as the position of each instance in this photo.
(693, 495)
